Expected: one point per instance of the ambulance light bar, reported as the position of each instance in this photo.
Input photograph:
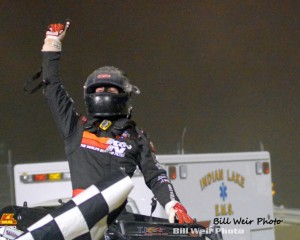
(262, 168)
(45, 177)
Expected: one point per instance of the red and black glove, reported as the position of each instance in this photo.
(176, 210)
(55, 33)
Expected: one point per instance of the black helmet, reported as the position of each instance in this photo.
(104, 104)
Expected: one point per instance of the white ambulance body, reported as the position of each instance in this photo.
(223, 188)
(226, 187)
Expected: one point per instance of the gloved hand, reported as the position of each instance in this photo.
(174, 210)
(56, 32)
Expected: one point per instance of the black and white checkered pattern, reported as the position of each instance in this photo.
(85, 216)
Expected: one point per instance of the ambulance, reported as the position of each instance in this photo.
(231, 190)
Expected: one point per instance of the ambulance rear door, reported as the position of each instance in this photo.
(226, 188)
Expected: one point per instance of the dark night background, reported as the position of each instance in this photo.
(227, 71)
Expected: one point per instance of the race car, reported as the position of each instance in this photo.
(137, 227)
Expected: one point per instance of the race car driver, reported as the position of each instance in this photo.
(106, 138)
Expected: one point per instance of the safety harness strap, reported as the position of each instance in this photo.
(31, 86)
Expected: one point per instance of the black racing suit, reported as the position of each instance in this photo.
(93, 153)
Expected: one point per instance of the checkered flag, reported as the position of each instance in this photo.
(86, 215)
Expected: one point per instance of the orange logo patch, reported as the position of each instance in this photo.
(8, 219)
